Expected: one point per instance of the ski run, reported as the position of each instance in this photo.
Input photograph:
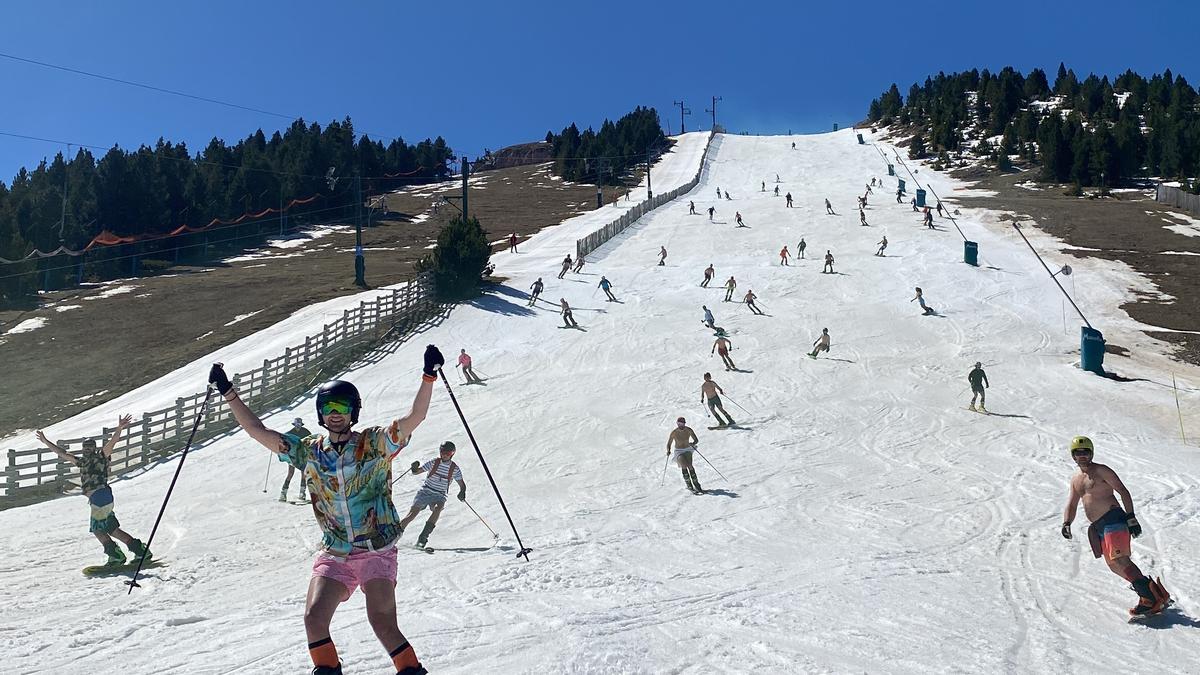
(869, 522)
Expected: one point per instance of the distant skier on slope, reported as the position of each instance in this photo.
(93, 465)
(1111, 526)
(828, 269)
(727, 194)
(708, 276)
(821, 344)
(434, 491)
(783, 256)
(708, 317)
(299, 431)
(869, 190)
(729, 288)
(711, 211)
(537, 291)
(568, 319)
(512, 242)
(882, 246)
(939, 210)
(920, 298)
(800, 247)
(978, 381)
(566, 265)
(764, 186)
(749, 300)
(606, 286)
(738, 217)
(709, 396)
(357, 517)
(721, 346)
(691, 208)
(899, 196)
(464, 362)
(662, 256)
(684, 440)
(718, 193)
(928, 218)
(788, 197)
(829, 208)
(579, 265)
(776, 190)
(862, 218)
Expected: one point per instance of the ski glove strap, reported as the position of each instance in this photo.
(217, 378)
(433, 361)
(1135, 528)
(462, 495)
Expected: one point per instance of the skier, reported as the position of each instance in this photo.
(978, 381)
(708, 317)
(869, 190)
(537, 291)
(872, 180)
(464, 362)
(691, 208)
(738, 217)
(749, 300)
(776, 190)
(921, 301)
(299, 431)
(788, 197)
(606, 285)
(899, 196)
(727, 194)
(722, 347)
(568, 319)
(862, 202)
(828, 269)
(882, 246)
(939, 209)
(821, 344)
(793, 145)
(928, 218)
(578, 265)
(776, 178)
(718, 193)
(783, 256)
(914, 204)
(685, 443)
(729, 287)
(708, 275)
(93, 466)
(662, 259)
(711, 211)
(433, 492)
(862, 218)
(1111, 526)
(764, 186)
(829, 208)
(709, 396)
(566, 265)
(800, 247)
(512, 242)
(349, 474)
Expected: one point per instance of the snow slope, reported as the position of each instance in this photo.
(869, 523)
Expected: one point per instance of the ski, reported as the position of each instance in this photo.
(424, 549)
(110, 570)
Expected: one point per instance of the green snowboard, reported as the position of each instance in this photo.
(112, 570)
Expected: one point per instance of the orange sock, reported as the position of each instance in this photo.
(404, 657)
(323, 653)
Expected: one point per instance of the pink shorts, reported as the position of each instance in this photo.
(357, 569)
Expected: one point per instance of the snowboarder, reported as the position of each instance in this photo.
(921, 301)
(606, 286)
(708, 275)
(729, 287)
(537, 291)
(711, 211)
(821, 344)
(978, 381)
(862, 218)
(1112, 527)
(783, 256)
(882, 246)
(749, 300)
(357, 516)
(578, 265)
(685, 442)
(568, 320)
(299, 431)
(93, 464)
(464, 362)
(788, 197)
(662, 256)
(828, 269)
(708, 317)
(722, 347)
(566, 265)
(433, 492)
(800, 247)
(829, 208)
(709, 396)
(691, 208)
(738, 217)
(512, 242)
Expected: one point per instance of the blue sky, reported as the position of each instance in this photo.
(489, 74)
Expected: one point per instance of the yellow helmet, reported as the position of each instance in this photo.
(1082, 443)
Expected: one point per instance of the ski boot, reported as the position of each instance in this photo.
(424, 536)
(982, 409)
(328, 670)
(283, 493)
(1161, 597)
(138, 549)
(303, 497)
(971, 407)
(1147, 600)
(115, 556)
(413, 670)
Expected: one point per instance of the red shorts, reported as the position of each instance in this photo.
(357, 569)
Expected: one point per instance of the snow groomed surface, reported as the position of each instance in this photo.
(870, 523)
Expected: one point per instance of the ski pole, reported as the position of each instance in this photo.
(709, 463)
(737, 404)
(494, 535)
(270, 461)
(524, 551)
(196, 425)
(663, 481)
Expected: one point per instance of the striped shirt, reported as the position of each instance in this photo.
(439, 478)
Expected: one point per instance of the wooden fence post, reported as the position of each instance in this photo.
(10, 474)
(144, 445)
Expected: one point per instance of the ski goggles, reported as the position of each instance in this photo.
(335, 407)
(1081, 453)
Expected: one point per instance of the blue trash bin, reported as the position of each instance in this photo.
(834, 127)
(860, 140)
(971, 253)
(920, 198)
(901, 181)
(891, 169)
(1091, 350)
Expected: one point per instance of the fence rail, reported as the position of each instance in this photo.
(36, 474)
(1178, 198)
(596, 239)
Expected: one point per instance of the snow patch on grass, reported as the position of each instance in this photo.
(242, 317)
(27, 326)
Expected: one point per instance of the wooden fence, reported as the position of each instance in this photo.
(37, 474)
(1178, 198)
(597, 239)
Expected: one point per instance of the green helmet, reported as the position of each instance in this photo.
(1082, 443)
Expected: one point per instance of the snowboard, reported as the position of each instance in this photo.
(110, 570)
(1146, 618)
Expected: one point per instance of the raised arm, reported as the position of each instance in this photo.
(62, 454)
(122, 423)
(420, 406)
(247, 420)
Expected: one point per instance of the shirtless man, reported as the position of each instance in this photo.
(711, 210)
(684, 440)
(1111, 526)
(566, 265)
(821, 344)
(708, 275)
(749, 300)
(568, 320)
(722, 347)
(537, 290)
(578, 265)
(729, 287)
(662, 256)
(828, 269)
(738, 217)
(708, 396)
(783, 256)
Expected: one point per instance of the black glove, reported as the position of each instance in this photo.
(1066, 531)
(416, 467)
(1135, 528)
(217, 378)
(462, 494)
(433, 361)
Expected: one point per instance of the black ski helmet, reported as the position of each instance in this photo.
(338, 390)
